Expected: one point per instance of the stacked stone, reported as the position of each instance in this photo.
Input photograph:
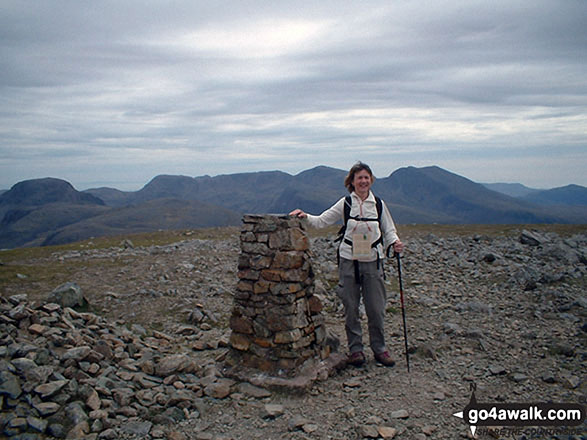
(276, 322)
(66, 374)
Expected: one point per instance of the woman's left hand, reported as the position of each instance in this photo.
(298, 213)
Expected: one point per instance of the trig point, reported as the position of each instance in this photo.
(276, 322)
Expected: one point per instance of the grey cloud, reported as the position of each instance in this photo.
(104, 77)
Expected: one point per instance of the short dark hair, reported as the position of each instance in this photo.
(359, 166)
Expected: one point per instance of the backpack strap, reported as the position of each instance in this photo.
(379, 205)
(348, 202)
(346, 215)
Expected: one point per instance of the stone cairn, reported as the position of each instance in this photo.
(276, 321)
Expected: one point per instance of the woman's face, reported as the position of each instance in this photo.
(362, 182)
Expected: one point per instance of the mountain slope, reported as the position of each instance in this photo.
(30, 226)
(146, 217)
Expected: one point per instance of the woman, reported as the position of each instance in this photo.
(367, 234)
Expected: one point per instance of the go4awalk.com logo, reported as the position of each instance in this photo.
(521, 415)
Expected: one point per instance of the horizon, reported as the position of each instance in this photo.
(142, 185)
(114, 93)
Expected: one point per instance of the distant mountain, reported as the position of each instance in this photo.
(111, 196)
(164, 186)
(32, 207)
(51, 211)
(449, 198)
(256, 192)
(37, 192)
(243, 192)
(571, 195)
(511, 189)
(330, 179)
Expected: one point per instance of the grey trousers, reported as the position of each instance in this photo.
(371, 287)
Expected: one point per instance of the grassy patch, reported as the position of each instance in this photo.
(24, 275)
(157, 238)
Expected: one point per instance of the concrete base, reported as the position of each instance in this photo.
(299, 381)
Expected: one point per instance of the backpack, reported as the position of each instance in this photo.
(347, 215)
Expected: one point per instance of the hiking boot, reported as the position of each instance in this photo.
(385, 359)
(356, 359)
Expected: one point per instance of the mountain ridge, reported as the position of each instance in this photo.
(50, 211)
(437, 190)
(572, 195)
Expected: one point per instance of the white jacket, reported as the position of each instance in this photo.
(363, 209)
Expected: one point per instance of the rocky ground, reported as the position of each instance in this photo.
(502, 310)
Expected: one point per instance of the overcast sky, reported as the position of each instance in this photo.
(113, 93)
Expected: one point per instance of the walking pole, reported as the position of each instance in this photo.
(401, 296)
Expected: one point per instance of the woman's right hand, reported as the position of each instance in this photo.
(298, 213)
